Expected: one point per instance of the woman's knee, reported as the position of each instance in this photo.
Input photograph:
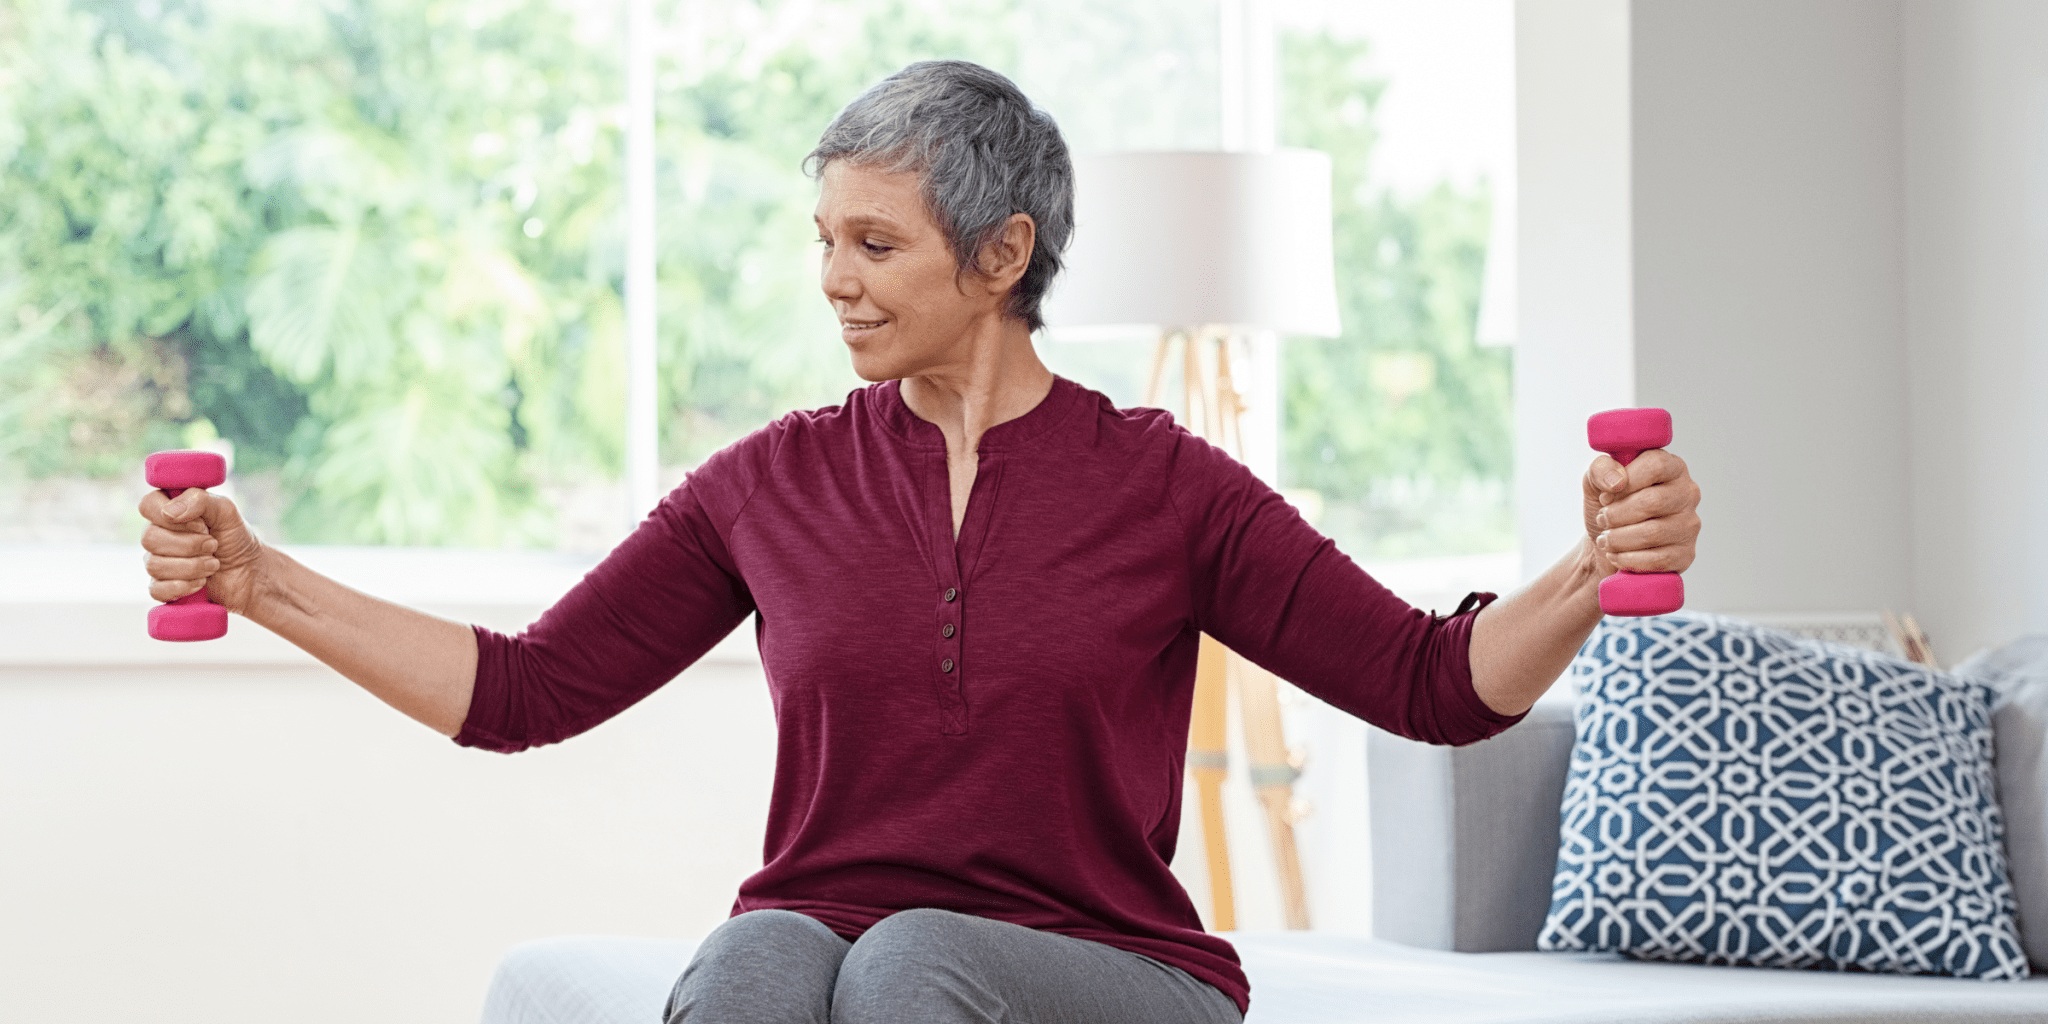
(925, 937)
(743, 939)
(911, 964)
(774, 960)
(924, 924)
(770, 926)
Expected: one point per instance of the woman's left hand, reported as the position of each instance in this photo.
(1642, 517)
(1638, 517)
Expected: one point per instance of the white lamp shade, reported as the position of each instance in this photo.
(1188, 239)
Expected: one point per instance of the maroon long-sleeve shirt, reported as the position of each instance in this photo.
(994, 726)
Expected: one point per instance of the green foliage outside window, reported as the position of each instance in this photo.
(1403, 423)
(307, 225)
(378, 245)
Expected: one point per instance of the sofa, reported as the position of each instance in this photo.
(1465, 846)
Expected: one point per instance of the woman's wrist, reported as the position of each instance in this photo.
(1522, 643)
(272, 595)
(1589, 567)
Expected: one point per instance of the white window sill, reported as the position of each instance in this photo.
(88, 604)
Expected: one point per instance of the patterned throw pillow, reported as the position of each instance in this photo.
(1740, 796)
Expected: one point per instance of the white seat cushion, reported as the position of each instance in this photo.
(1306, 978)
(586, 979)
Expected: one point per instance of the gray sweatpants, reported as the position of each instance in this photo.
(929, 967)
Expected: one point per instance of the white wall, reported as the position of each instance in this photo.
(1831, 251)
(230, 833)
(244, 844)
(1977, 317)
(1769, 299)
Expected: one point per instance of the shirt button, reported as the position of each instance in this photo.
(947, 632)
(946, 665)
(951, 593)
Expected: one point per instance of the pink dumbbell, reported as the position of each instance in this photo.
(1625, 434)
(191, 617)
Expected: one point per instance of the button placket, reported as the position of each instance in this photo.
(952, 701)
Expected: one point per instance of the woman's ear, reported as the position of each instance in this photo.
(1004, 260)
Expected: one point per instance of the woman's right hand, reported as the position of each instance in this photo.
(199, 540)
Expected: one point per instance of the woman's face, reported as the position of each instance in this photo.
(904, 310)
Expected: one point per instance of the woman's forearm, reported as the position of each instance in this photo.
(1523, 642)
(420, 664)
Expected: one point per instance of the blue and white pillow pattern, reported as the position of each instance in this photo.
(1741, 796)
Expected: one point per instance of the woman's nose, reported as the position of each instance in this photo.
(837, 278)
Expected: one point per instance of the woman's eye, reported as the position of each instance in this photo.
(874, 248)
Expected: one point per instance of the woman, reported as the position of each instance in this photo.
(979, 591)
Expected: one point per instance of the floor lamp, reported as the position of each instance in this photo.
(1208, 248)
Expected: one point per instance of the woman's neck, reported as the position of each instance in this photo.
(1000, 379)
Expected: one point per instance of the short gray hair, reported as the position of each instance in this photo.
(983, 152)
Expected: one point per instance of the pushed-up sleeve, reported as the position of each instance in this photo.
(1268, 586)
(667, 594)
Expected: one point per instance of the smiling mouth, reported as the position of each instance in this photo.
(861, 325)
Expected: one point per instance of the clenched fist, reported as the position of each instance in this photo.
(198, 540)
(1643, 516)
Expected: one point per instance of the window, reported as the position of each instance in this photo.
(1402, 425)
(376, 249)
(368, 247)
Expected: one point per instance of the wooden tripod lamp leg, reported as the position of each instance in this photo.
(1273, 773)
(1209, 763)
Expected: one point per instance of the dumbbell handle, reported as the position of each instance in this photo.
(191, 617)
(1625, 434)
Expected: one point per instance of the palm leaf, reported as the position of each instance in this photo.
(317, 305)
(424, 465)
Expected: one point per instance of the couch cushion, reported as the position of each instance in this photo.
(1307, 978)
(586, 979)
(1741, 796)
(1462, 850)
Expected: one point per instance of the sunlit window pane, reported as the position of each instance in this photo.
(1401, 426)
(370, 247)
